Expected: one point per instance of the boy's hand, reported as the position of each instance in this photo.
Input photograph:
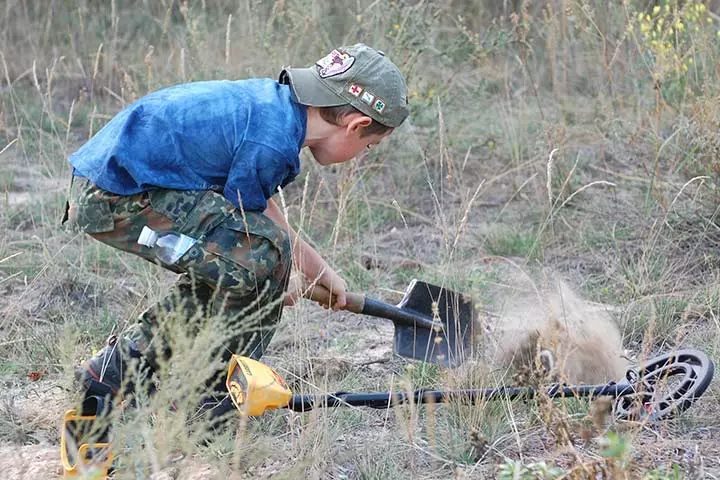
(299, 286)
(295, 289)
(336, 286)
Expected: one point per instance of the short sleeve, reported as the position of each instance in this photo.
(256, 172)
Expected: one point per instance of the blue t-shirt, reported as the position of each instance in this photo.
(239, 137)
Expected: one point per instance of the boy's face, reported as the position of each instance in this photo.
(346, 141)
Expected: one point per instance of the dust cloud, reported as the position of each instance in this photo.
(545, 324)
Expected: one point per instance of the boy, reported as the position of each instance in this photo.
(204, 159)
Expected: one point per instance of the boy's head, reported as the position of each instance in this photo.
(356, 89)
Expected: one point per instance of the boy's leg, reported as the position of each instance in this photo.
(188, 298)
(236, 259)
(96, 212)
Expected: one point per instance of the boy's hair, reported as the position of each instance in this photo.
(334, 114)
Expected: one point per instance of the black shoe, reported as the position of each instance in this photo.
(214, 408)
(214, 418)
(103, 374)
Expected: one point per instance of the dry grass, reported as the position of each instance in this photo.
(549, 134)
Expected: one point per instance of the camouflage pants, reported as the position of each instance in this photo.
(237, 271)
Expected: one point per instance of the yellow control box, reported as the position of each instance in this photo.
(254, 387)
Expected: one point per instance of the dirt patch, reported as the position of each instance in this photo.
(20, 184)
(30, 462)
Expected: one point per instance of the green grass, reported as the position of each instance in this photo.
(513, 244)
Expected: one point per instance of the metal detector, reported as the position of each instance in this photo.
(655, 390)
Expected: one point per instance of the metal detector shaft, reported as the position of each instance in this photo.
(303, 403)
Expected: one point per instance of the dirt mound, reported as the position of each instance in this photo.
(30, 462)
(546, 324)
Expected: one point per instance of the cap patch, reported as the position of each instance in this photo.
(379, 105)
(355, 90)
(367, 97)
(335, 63)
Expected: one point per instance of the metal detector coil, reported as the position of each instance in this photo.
(665, 386)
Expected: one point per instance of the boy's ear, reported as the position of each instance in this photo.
(358, 121)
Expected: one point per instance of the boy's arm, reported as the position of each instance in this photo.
(310, 263)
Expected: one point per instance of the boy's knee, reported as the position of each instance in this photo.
(273, 261)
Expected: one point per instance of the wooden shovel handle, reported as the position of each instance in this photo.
(355, 301)
(358, 303)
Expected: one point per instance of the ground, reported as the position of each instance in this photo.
(329, 351)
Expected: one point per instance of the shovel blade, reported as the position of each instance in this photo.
(449, 343)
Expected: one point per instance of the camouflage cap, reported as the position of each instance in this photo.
(357, 75)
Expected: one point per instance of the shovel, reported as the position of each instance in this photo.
(432, 324)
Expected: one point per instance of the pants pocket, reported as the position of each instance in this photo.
(194, 212)
(211, 264)
(255, 223)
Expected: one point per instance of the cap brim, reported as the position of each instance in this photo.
(310, 90)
